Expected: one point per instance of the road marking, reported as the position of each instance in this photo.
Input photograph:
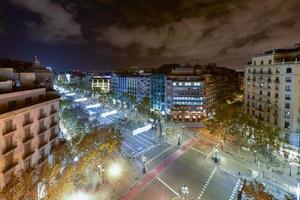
(198, 151)
(235, 189)
(168, 186)
(206, 184)
(144, 151)
(149, 161)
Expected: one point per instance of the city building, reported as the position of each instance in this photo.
(101, 83)
(157, 88)
(189, 93)
(28, 119)
(136, 85)
(271, 92)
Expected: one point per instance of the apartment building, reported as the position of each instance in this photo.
(101, 83)
(136, 85)
(190, 93)
(28, 122)
(272, 91)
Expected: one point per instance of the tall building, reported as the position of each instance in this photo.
(101, 83)
(28, 119)
(136, 85)
(192, 92)
(189, 93)
(272, 91)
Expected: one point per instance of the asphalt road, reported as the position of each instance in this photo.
(193, 170)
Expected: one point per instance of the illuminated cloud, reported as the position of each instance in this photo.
(55, 23)
(232, 38)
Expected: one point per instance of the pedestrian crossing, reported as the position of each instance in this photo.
(206, 184)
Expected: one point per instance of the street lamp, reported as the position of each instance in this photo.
(143, 158)
(79, 196)
(114, 170)
(185, 191)
(297, 191)
(216, 154)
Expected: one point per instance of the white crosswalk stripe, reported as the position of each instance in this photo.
(206, 184)
(238, 186)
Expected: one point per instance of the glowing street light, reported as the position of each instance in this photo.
(114, 170)
(79, 196)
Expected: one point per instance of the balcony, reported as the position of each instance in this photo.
(42, 116)
(53, 136)
(9, 130)
(27, 154)
(42, 130)
(9, 166)
(42, 159)
(42, 143)
(53, 111)
(53, 124)
(27, 122)
(28, 138)
(9, 148)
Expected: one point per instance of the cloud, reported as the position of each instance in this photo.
(56, 24)
(248, 29)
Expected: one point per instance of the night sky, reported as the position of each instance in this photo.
(105, 34)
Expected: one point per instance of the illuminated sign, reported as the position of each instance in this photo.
(109, 113)
(93, 106)
(142, 129)
(80, 99)
(70, 94)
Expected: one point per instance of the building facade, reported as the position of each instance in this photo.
(29, 121)
(272, 85)
(135, 85)
(101, 83)
(190, 93)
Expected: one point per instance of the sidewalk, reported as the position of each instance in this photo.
(234, 162)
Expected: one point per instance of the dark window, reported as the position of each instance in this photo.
(270, 61)
(41, 97)
(269, 94)
(287, 105)
(288, 70)
(288, 79)
(262, 62)
(12, 104)
(28, 100)
(276, 95)
(260, 92)
(286, 124)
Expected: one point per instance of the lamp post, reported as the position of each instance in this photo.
(179, 139)
(143, 158)
(216, 154)
(184, 191)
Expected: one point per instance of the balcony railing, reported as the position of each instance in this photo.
(42, 159)
(42, 143)
(52, 111)
(27, 154)
(27, 122)
(9, 148)
(9, 166)
(53, 136)
(9, 130)
(42, 116)
(42, 130)
(53, 124)
(26, 139)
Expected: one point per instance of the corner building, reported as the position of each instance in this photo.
(272, 92)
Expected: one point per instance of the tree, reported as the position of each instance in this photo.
(256, 191)
(144, 105)
(221, 121)
(64, 175)
(241, 128)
